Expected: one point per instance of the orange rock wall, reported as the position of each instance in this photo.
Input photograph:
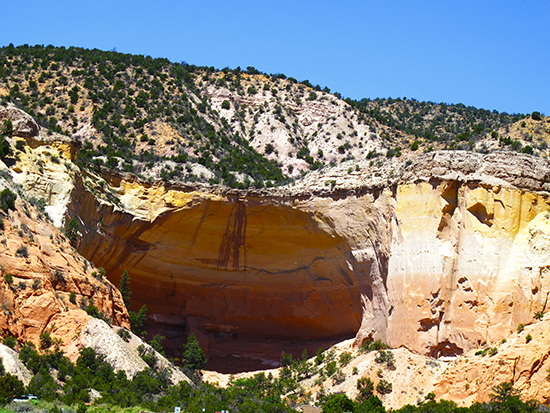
(35, 290)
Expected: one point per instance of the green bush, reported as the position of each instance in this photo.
(7, 200)
(520, 328)
(384, 387)
(73, 231)
(22, 251)
(365, 387)
(124, 334)
(45, 340)
(9, 341)
(137, 321)
(10, 388)
(225, 104)
(345, 358)
(338, 403)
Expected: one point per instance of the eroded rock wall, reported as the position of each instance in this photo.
(440, 254)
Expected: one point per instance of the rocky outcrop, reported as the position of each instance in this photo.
(122, 355)
(441, 254)
(12, 364)
(45, 284)
(428, 254)
(522, 359)
(23, 124)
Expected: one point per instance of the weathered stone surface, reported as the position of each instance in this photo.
(23, 124)
(122, 355)
(40, 270)
(12, 364)
(521, 361)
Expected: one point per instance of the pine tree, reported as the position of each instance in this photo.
(193, 356)
(125, 288)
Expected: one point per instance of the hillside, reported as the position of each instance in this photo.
(163, 120)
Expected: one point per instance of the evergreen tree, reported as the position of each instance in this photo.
(125, 288)
(10, 388)
(193, 356)
(137, 321)
(73, 232)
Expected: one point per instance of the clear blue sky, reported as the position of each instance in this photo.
(485, 53)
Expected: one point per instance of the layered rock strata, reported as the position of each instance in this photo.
(440, 254)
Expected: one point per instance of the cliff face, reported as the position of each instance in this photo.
(46, 285)
(441, 257)
(40, 273)
(440, 254)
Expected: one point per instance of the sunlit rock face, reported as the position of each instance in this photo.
(468, 264)
(444, 259)
(440, 254)
(231, 267)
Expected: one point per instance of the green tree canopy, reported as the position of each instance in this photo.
(193, 356)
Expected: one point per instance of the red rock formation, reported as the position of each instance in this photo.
(40, 271)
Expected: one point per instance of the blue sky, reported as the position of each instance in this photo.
(484, 53)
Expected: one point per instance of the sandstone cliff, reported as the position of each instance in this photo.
(440, 254)
(46, 285)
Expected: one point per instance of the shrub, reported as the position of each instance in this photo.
(20, 145)
(124, 334)
(8, 278)
(365, 387)
(536, 116)
(387, 357)
(331, 368)
(156, 343)
(7, 200)
(72, 297)
(7, 129)
(10, 388)
(137, 321)
(22, 252)
(384, 387)
(10, 341)
(225, 104)
(5, 148)
(320, 357)
(36, 284)
(269, 149)
(252, 90)
(338, 403)
(528, 338)
(72, 231)
(345, 358)
(520, 328)
(539, 315)
(45, 340)
(312, 96)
